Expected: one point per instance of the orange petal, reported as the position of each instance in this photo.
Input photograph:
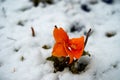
(59, 50)
(71, 59)
(69, 53)
(60, 35)
(77, 46)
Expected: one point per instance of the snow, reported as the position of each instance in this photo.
(18, 16)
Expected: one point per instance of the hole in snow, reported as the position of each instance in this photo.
(1, 27)
(21, 22)
(46, 46)
(1, 64)
(85, 8)
(110, 34)
(93, 1)
(25, 8)
(1, 1)
(75, 26)
(22, 58)
(108, 1)
(16, 50)
(45, 2)
(115, 65)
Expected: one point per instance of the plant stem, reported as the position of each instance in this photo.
(87, 35)
(55, 26)
(33, 32)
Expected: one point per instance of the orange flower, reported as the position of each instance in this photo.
(67, 47)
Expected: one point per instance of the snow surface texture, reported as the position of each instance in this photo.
(22, 56)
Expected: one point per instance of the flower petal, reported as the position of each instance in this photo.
(69, 53)
(77, 46)
(59, 50)
(71, 59)
(60, 35)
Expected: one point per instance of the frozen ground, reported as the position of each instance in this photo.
(22, 57)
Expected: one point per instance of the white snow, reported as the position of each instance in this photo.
(18, 16)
